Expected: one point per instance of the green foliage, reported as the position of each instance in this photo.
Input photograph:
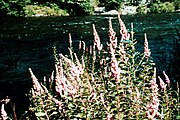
(142, 10)
(87, 6)
(77, 7)
(13, 7)
(162, 7)
(109, 83)
(50, 9)
(177, 4)
(111, 4)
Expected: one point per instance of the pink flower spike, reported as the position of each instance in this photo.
(115, 70)
(124, 34)
(112, 35)
(153, 106)
(36, 85)
(109, 117)
(80, 45)
(166, 78)
(162, 84)
(147, 51)
(70, 40)
(3, 113)
(97, 42)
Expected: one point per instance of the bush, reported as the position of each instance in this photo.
(13, 7)
(87, 6)
(44, 10)
(177, 4)
(111, 81)
(142, 10)
(111, 4)
(162, 7)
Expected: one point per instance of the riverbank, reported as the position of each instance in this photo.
(82, 8)
(28, 42)
(18, 55)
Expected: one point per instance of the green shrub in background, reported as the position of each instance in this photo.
(50, 9)
(13, 7)
(78, 7)
(111, 4)
(177, 4)
(87, 6)
(162, 7)
(143, 9)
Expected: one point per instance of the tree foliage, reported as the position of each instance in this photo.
(12, 7)
(111, 4)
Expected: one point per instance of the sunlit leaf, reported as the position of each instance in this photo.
(39, 114)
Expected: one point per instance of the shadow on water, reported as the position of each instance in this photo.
(28, 42)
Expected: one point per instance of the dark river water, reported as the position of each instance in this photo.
(28, 42)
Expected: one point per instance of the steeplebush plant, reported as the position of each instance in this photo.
(104, 81)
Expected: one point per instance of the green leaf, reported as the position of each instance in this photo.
(39, 114)
(80, 115)
(54, 113)
(177, 117)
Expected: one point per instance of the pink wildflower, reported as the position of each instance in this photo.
(162, 84)
(111, 49)
(59, 86)
(112, 35)
(153, 107)
(109, 117)
(114, 68)
(166, 78)
(63, 86)
(122, 53)
(84, 45)
(70, 41)
(79, 65)
(75, 70)
(37, 89)
(80, 45)
(3, 114)
(147, 51)
(124, 34)
(97, 42)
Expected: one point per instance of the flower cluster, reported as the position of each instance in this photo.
(162, 84)
(37, 89)
(112, 35)
(115, 70)
(107, 82)
(153, 107)
(123, 31)
(147, 51)
(166, 78)
(3, 114)
(97, 42)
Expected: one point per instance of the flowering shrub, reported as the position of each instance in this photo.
(110, 81)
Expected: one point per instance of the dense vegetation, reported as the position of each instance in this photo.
(109, 81)
(77, 7)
